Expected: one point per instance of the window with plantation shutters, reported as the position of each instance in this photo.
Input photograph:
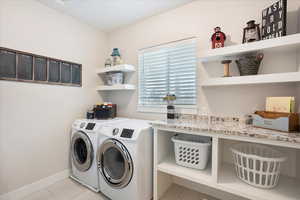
(168, 69)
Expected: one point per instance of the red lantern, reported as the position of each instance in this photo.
(218, 38)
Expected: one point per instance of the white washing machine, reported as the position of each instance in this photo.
(84, 141)
(125, 160)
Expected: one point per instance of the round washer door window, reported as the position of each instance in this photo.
(82, 151)
(115, 163)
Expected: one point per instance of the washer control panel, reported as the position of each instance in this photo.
(90, 126)
(85, 125)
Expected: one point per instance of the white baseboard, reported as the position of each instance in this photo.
(34, 187)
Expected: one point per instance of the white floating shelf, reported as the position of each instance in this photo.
(116, 87)
(286, 43)
(169, 166)
(287, 189)
(117, 68)
(290, 77)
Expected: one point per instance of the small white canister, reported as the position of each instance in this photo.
(114, 78)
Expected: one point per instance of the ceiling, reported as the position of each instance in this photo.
(111, 14)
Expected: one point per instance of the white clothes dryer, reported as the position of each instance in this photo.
(125, 160)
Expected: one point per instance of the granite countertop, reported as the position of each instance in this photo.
(233, 129)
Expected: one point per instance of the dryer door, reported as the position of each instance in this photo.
(82, 151)
(115, 163)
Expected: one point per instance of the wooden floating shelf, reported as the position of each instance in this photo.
(290, 77)
(116, 87)
(286, 43)
(117, 68)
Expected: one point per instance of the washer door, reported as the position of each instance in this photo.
(82, 151)
(115, 163)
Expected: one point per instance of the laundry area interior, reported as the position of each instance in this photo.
(149, 99)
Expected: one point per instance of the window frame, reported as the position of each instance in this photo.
(184, 109)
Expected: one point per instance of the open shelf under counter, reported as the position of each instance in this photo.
(115, 87)
(276, 78)
(117, 68)
(220, 178)
(169, 166)
(287, 188)
(282, 44)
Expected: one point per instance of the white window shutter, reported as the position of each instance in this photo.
(169, 69)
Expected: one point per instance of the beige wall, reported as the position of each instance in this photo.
(198, 19)
(35, 119)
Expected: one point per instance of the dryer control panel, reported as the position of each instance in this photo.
(127, 133)
(119, 132)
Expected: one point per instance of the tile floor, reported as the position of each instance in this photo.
(68, 189)
(176, 192)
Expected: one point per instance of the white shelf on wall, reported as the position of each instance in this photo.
(117, 68)
(286, 43)
(287, 188)
(169, 166)
(289, 77)
(115, 87)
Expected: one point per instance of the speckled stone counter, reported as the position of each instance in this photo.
(235, 128)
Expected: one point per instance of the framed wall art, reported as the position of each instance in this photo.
(274, 20)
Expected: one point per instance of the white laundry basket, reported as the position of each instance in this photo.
(191, 150)
(257, 165)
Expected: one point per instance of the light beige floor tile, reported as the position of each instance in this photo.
(176, 192)
(173, 193)
(89, 195)
(69, 190)
(188, 194)
(206, 197)
(66, 190)
(40, 195)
